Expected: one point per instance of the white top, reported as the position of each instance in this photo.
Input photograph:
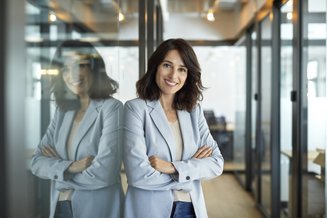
(67, 194)
(179, 195)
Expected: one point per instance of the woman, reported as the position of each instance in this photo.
(168, 148)
(80, 150)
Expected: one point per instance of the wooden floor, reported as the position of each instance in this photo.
(225, 198)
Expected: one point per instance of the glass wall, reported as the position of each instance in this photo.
(224, 99)
(286, 84)
(104, 24)
(265, 104)
(314, 105)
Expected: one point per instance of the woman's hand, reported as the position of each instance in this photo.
(203, 152)
(49, 151)
(80, 165)
(162, 165)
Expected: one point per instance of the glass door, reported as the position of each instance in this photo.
(264, 144)
(314, 105)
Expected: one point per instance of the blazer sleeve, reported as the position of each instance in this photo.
(139, 172)
(46, 167)
(105, 168)
(205, 168)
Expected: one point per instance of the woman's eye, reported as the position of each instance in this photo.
(83, 65)
(165, 65)
(182, 70)
(64, 69)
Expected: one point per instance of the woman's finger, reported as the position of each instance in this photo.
(205, 152)
(45, 152)
(198, 151)
(52, 151)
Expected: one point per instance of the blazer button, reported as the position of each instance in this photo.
(55, 177)
(187, 178)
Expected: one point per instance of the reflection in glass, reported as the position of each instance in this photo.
(80, 153)
(48, 24)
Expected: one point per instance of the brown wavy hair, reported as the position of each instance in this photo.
(103, 86)
(188, 96)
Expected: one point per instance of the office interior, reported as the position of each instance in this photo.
(263, 64)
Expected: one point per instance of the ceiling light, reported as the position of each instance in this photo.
(210, 16)
(52, 17)
(289, 15)
(121, 16)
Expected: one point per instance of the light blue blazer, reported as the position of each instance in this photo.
(147, 132)
(97, 190)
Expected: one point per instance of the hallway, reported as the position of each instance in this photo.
(225, 198)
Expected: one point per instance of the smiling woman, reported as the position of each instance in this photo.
(168, 148)
(80, 152)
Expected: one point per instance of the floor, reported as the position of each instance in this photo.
(225, 198)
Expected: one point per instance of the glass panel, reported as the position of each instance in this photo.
(286, 108)
(315, 104)
(48, 25)
(265, 145)
(239, 127)
(220, 99)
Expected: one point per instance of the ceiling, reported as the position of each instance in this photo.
(200, 6)
(100, 16)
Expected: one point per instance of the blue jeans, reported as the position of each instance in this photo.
(182, 210)
(64, 210)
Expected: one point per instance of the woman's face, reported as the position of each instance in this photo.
(171, 73)
(77, 76)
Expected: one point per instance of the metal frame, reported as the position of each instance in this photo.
(258, 97)
(275, 108)
(297, 122)
(3, 165)
(150, 27)
(326, 132)
(142, 37)
(248, 121)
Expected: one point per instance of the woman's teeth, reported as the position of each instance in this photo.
(76, 83)
(171, 83)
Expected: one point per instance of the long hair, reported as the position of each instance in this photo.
(188, 96)
(102, 87)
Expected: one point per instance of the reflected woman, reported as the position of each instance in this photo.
(168, 148)
(80, 152)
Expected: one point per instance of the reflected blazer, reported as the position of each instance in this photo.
(97, 190)
(146, 133)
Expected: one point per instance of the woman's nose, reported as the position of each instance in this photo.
(75, 72)
(173, 72)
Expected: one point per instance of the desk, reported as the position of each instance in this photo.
(311, 154)
(320, 160)
(313, 189)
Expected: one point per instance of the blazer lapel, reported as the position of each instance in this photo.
(185, 124)
(89, 118)
(64, 134)
(161, 122)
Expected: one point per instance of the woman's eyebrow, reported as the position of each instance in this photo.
(181, 65)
